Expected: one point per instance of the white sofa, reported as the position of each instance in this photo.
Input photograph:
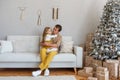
(26, 54)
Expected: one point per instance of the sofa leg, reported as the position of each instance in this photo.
(75, 70)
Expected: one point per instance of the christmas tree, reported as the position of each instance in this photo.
(106, 40)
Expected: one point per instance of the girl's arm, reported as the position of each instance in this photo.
(53, 36)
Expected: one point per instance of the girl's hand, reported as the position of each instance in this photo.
(44, 44)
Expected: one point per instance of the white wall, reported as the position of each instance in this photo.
(78, 17)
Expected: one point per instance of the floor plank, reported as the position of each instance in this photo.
(27, 72)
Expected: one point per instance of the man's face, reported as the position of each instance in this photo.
(55, 30)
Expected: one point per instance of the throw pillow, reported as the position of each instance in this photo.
(66, 47)
(6, 46)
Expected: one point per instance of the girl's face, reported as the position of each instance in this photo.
(49, 31)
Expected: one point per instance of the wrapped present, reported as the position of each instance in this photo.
(112, 61)
(88, 46)
(88, 61)
(88, 69)
(90, 36)
(88, 43)
(103, 75)
(119, 72)
(119, 59)
(84, 57)
(92, 78)
(82, 78)
(101, 69)
(85, 53)
(82, 73)
(112, 66)
(96, 63)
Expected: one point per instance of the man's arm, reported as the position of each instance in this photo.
(43, 44)
(52, 45)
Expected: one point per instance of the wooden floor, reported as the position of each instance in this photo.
(27, 72)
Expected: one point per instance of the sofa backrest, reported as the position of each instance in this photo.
(66, 38)
(23, 43)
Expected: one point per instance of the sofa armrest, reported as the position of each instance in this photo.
(78, 51)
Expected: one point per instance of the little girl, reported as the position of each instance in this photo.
(47, 38)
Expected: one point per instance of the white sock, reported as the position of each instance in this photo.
(36, 73)
(47, 72)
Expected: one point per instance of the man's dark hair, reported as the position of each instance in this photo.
(59, 27)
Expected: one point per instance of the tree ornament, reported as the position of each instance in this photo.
(118, 53)
(102, 48)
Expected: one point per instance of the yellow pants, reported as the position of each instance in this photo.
(46, 58)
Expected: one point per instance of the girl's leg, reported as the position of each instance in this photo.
(49, 59)
(42, 57)
(47, 62)
(43, 53)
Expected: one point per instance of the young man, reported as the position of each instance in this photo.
(47, 58)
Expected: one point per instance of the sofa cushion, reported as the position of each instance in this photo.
(18, 57)
(64, 57)
(66, 47)
(34, 57)
(6, 46)
(25, 43)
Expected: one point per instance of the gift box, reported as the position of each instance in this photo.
(88, 43)
(85, 53)
(96, 63)
(88, 69)
(87, 46)
(101, 69)
(82, 73)
(103, 75)
(92, 78)
(82, 78)
(119, 72)
(112, 61)
(119, 59)
(90, 36)
(88, 61)
(119, 68)
(112, 66)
